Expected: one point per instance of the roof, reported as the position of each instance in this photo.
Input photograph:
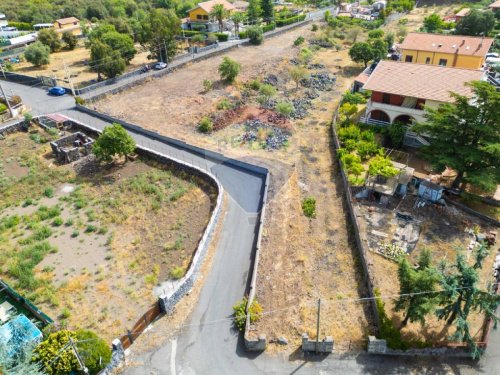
(463, 12)
(362, 77)
(56, 117)
(422, 81)
(463, 45)
(431, 185)
(29, 38)
(68, 20)
(495, 5)
(240, 4)
(207, 6)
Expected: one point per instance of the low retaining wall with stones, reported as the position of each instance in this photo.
(13, 128)
(378, 346)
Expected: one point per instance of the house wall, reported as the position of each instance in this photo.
(73, 28)
(193, 15)
(378, 97)
(457, 61)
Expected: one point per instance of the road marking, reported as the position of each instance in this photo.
(172, 356)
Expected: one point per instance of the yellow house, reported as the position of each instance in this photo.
(201, 13)
(455, 51)
(70, 24)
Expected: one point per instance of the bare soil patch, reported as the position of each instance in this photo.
(104, 235)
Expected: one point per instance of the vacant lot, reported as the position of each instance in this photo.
(77, 65)
(88, 242)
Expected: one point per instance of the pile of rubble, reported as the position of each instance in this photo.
(319, 81)
(275, 139)
(301, 107)
(271, 79)
(315, 66)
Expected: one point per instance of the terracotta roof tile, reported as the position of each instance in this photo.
(466, 45)
(495, 5)
(422, 81)
(65, 21)
(207, 6)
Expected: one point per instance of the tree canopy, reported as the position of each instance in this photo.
(476, 23)
(50, 38)
(364, 52)
(38, 54)
(465, 136)
(433, 23)
(114, 141)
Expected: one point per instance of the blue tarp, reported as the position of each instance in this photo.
(19, 332)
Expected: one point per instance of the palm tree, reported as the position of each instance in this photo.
(219, 13)
(237, 19)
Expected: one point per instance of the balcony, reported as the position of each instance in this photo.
(393, 113)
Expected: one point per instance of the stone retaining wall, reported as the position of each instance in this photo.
(12, 128)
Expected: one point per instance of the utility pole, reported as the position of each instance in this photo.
(78, 358)
(166, 51)
(3, 71)
(317, 326)
(68, 77)
(7, 101)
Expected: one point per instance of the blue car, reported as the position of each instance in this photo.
(57, 91)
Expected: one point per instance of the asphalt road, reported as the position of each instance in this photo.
(210, 345)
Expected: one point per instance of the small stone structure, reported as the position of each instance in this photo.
(323, 346)
(376, 346)
(71, 147)
(256, 345)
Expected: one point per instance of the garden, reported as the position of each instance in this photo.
(75, 242)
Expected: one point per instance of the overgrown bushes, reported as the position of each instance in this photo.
(240, 315)
(205, 125)
(309, 207)
(289, 21)
(255, 35)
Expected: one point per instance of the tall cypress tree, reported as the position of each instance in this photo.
(268, 10)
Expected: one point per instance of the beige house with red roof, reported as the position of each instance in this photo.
(446, 50)
(400, 91)
(495, 7)
(68, 25)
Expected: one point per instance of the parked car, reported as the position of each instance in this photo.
(159, 66)
(57, 91)
(492, 54)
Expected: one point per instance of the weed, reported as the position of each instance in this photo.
(49, 192)
(108, 257)
(75, 234)
(177, 194)
(177, 245)
(69, 222)
(28, 202)
(90, 228)
(65, 313)
(177, 272)
(102, 230)
(58, 221)
(90, 215)
(309, 207)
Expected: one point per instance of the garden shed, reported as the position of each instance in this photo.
(430, 191)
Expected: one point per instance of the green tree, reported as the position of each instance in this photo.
(158, 34)
(433, 23)
(382, 166)
(254, 11)
(219, 13)
(114, 141)
(465, 136)
(268, 10)
(51, 356)
(95, 352)
(361, 52)
(476, 23)
(353, 33)
(396, 132)
(389, 39)
(255, 35)
(285, 109)
(374, 34)
(462, 295)
(104, 60)
(229, 69)
(297, 74)
(70, 40)
(414, 285)
(305, 56)
(38, 54)
(50, 38)
(121, 43)
(237, 18)
(379, 49)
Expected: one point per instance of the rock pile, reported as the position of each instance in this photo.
(275, 137)
(301, 107)
(271, 79)
(315, 66)
(319, 81)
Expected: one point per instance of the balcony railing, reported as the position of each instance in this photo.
(395, 108)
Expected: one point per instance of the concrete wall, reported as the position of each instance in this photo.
(325, 345)
(379, 347)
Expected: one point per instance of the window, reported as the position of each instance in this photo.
(205, 18)
(427, 60)
(443, 62)
(408, 58)
(199, 17)
(386, 98)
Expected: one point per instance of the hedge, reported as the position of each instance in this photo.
(221, 37)
(21, 26)
(289, 21)
(269, 27)
(191, 32)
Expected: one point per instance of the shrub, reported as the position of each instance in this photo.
(314, 27)
(207, 85)
(95, 351)
(353, 98)
(49, 192)
(269, 27)
(65, 313)
(79, 100)
(299, 41)
(177, 272)
(198, 38)
(374, 34)
(205, 125)
(349, 132)
(255, 35)
(388, 331)
(366, 149)
(3, 108)
(240, 315)
(75, 234)
(255, 84)
(65, 362)
(382, 166)
(309, 207)
(221, 37)
(90, 228)
(50, 38)
(229, 69)
(224, 104)
(70, 40)
(396, 132)
(285, 109)
(38, 54)
(305, 56)
(289, 21)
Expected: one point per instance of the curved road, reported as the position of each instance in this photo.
(216, 348)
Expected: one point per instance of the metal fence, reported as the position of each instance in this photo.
(152, 314)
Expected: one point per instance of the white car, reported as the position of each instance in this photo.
(492, 54)
(159, 66)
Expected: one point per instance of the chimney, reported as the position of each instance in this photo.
(463, 42)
